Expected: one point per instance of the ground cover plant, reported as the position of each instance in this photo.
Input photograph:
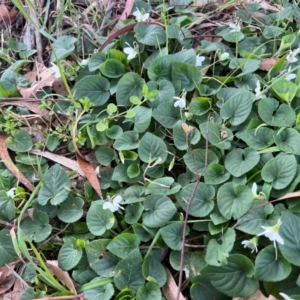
(154, 155)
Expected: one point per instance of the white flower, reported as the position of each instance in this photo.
(55, 70)
(235, 27)
(131, 52)
(285, 296)
(11, 193)
(141, 16)
(257, 89)
(199, 60)
(251, 244)
(290, 75)
(254, 188)
(224, 56)
(291, 56)
(113, 204)
(181, 101)
(271, 232)
(84, 62)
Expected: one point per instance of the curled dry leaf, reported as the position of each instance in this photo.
(90, 174)
(63, 276)
(7, 279)
(5, 14)
(4, 155)
(258, 295)
(46, 78)
(267, 64)
(186, 128)
(170, 289)
(64, 161)
(32, 106)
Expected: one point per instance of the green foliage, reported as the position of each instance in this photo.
(194, 145)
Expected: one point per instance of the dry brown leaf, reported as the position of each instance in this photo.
(264, 5)
(7, 279)
(32, 106)
(267, 64)
(64, 161)
(59, 87)
(63, 276)
(46, 79)
(4, 13)
(19, 288)
(4, 155)
(170, 289)
(186, 128)
(90, 174)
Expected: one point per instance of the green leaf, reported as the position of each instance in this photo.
(239, 161)
(133, 212)
(105, 156)
(257, 217)
(238, 107)
(127, 140)
(7, 207)
(200, 106)
(290, 232)
(288, 141)
(98, 219)
(154, 271)
(19, 141)
(271, 266)
(101, 292)
(62, 47)
(280, 171)
(217, 135)
(158, 211)
(163, 186)
(152, 148)
(233, 37)
(188, 75)
(129, 272)
(55, 188)
(123, 244)
(100, 260)
(165, 89)
(202, 203)
(52, 142)
(38, 227)
(148, 292)
(216, 254)
(233, 279)
(114, 132)
(234, 200)
(172, 235)
(112, 68)
(285, 90)
(71, 210)
(133, 170)
(183, 138)
(161, 68)
(149, 34)
(96, 60)
(131, 84)
(274, 114)
(202, 286)
(216, 174)
(258, 138)
(95, 87)
(195, 161)
(142, 118)
(166, 114)
(69, 254)
(120, 174)
(7, 252)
